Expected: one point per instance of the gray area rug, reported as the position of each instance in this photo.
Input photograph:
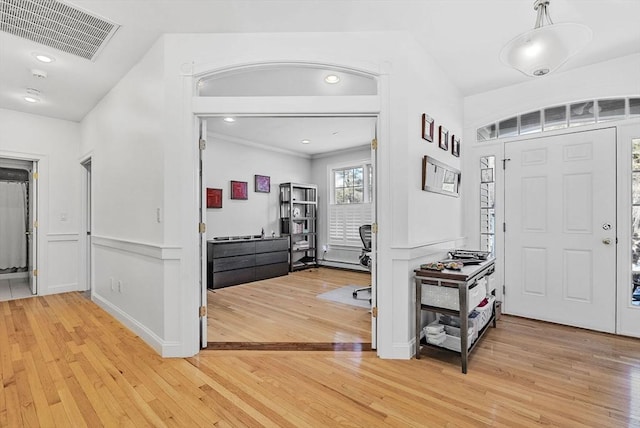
(345, 295)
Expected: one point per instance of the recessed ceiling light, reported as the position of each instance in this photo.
(44, 58)
(229, 119)
(31, 99)
(305, 141)
(332, 78)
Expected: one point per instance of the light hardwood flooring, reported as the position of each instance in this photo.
(64, 362)
(287, 310)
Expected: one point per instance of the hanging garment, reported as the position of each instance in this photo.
(13, 223)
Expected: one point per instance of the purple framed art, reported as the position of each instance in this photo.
(263, 183)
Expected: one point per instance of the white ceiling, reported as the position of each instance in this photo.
(463, 36)
(325, 134)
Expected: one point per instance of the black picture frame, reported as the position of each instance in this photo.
(427, 127)
(455, 146)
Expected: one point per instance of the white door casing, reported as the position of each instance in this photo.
(560, 239)
(202, 133)
(628, 315)
(32, 237)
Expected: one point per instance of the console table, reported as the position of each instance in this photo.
(462, 280)
(232, 261)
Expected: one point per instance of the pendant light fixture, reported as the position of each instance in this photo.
(545, 48)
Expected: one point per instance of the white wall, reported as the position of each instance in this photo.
(615, 78)
(336, 256)
(55, 144)
(226, 161)
(143, 141)
(411, 84)
(136, 271)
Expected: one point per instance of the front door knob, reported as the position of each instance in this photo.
(606, 241)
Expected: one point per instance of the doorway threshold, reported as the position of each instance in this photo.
(288, 346)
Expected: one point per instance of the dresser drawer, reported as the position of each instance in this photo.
(236, 262)
(233, 277)
(270, 245)
(268, 258)
(233, 249)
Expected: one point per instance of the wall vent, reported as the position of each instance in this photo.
(57, 25)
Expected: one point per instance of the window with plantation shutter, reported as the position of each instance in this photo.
(349, 203)
(345, 221)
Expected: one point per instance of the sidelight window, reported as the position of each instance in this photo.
(487, 204)
(635, 217)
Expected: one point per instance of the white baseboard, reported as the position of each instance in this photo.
(62, 288)
(343, 265)
(399, 351)
(147, 335)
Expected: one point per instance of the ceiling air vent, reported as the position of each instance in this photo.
(57, 25)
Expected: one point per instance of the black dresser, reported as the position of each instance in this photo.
(236, 261)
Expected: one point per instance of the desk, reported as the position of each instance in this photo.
(463, 280)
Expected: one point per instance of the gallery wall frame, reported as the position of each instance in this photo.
(455, 146)
(214, 198)
(443, 142)
(239, 190)
(262, 184)
(427, 127)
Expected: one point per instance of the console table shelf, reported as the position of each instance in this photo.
(464, 280)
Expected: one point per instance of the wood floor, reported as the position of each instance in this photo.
(64, 362)
(286, 310)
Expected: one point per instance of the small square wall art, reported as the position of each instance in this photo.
(214, 198)
(239, 190)
(263, 183)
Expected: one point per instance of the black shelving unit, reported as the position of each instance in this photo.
(299, 221)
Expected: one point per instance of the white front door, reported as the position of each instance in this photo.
(560, 221)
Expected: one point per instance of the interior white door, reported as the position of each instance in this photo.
(32, 236)
(202, 133)
(374, 240)
(87, 211)
(560, 221)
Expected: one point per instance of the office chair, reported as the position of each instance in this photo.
(365, 258)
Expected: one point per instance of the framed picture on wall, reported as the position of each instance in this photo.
(239, 190)
(427, 127)
(444, 138)
(455, 146)
(214, 198)
(263, 184)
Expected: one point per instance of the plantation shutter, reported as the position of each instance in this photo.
(345, 221)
